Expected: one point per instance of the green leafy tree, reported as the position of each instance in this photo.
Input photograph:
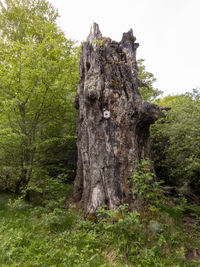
(176, 140)
(38, 76)
(147, 90)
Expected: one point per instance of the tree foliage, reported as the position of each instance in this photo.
(38, 76)
(148, 92)
(176, 140)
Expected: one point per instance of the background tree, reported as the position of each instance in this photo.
(176, 138)
(38, 77)
(146, 84)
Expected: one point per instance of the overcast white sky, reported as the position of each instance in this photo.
(168, 32)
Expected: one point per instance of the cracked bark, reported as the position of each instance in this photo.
(108, 149)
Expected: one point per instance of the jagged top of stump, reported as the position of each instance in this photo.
(95, 34)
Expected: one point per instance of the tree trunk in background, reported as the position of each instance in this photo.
(109, 148)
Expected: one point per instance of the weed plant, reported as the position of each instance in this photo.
(163, 232)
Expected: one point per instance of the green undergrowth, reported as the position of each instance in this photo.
(164, 232)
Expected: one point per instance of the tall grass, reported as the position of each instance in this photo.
(161, 234)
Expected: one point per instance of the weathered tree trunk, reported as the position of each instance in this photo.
(109, 148)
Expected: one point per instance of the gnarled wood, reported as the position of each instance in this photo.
(108, 149)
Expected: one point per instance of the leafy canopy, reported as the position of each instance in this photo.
(176, 140)
(38, 76)
(148, 93)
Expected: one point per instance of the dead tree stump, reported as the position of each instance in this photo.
(110, 146)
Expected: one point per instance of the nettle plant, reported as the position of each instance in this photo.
(146, 188)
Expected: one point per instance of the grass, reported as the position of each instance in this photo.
(161, 234)
(32, 237)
